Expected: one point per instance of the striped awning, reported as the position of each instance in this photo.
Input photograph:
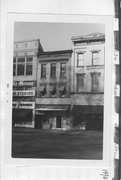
(62, 88)
(51, 88)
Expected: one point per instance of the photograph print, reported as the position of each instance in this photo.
(58, 90)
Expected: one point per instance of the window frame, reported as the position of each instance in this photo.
(29, 63)
(51, 70)
(14, 64)
(19, 64)
(97, 58)
(62, 72)
(80, 60)
(24, 63)
(43, 71)
(97, 75)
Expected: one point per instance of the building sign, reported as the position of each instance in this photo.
(23, 105)
(24, 83)
(24, 93)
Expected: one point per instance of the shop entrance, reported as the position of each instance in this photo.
(58, 122)
(38, 122)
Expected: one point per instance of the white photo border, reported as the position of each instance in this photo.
(108, 132)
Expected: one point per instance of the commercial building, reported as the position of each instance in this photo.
(88, 80)
(53, 90)
(25, 63)
(59, 89)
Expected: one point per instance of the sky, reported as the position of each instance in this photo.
(54, 36)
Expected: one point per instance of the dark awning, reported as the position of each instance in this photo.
(52, 107)
(42, 88)
(78, 109)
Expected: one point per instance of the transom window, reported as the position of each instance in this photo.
(80, 59)
(22, 66)
(43, 70)
(95, 58)
(53, 70)
(63, 70)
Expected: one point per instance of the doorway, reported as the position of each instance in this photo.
(38, 122)
(58, 122)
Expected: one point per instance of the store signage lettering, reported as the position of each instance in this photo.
(24, 83)
(24, 93)
(23, 105)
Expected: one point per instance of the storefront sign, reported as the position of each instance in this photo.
(24, 83)
(24, 93)
(23, 105)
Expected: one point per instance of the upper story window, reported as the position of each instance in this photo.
(53, 70)
(29, 66)
(95, 57)
(80, 82)
(14, 66)
(43, 70)
(63, 70)
(95, 82)
(80, 59)
(22, 66)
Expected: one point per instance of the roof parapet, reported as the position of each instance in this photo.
(92, 36)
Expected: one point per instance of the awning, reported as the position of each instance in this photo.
(42, 88)
(51, 88)
(52, 108)
(78, 109)
(62, 88)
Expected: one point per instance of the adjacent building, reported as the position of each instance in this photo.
(59, 89)
(25, 63)
(87, 86)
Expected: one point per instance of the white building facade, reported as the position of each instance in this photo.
(87, 85)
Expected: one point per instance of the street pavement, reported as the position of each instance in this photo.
(56, 144)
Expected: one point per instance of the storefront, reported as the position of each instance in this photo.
(52, 117)
(88, 117)
(23, 114)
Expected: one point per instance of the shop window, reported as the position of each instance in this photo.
(95, 58)
(63, 70)
(14, 66)
(95, 82)
(53, 70)
(80, 59)
(80, 82)
(43, 70)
